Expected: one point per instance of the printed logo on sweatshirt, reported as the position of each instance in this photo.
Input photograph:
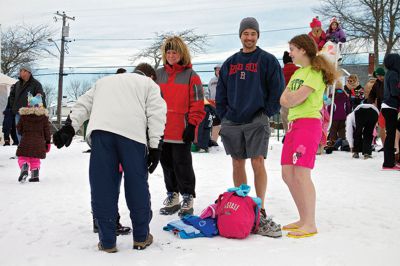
(295, 84)
(251, 67)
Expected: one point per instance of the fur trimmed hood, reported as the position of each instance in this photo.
(33, 111)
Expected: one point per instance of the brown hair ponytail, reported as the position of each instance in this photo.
(318, 62)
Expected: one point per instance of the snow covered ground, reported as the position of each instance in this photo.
(49, 223)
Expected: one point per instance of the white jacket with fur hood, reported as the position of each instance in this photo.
(125, 104)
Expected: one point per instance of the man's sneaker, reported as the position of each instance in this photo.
(24, 173)
(186, 205)
(108, 250)
(171, 203)
(356, 155)
(142, 245)
(367, 156)
(268, 227)
(34, 176)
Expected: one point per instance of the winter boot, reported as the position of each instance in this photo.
(6, 143)
(356, 155)
(34, 176)
(171, 204)
(24, 173)
(142, 245)
(108, 250)
(186, 205)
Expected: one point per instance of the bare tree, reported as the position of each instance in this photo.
(50, 93)
(367, 20)
(76, 88)
(195, 42)
(23, 45)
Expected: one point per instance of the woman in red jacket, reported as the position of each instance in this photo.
(182, 90)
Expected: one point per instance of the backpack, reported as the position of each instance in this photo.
(237, 216)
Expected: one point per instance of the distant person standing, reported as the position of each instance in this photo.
(182, 90)
(210, 96)
(390, 109)
(288, 69)
(26, 84)
(9, 127)
(375, 96)
(248, 92)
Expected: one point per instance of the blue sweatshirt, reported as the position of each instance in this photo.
(249, 83)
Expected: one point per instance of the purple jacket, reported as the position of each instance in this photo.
(342, 106)
(336, 36)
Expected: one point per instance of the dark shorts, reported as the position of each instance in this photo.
(243, 141)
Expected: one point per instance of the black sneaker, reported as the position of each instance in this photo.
(142, 245)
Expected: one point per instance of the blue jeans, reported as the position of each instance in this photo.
(108, 151)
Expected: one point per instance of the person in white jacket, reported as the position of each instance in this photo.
(127, 119)
(360, 125)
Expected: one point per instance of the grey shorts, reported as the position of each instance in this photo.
(243, 141)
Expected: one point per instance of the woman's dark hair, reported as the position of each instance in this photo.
(146, 69)
(286, 58)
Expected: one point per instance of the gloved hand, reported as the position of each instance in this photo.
(188, 133)
(48, 145)
(152, 159)
(63, 136)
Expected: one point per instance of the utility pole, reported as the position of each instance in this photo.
(64, 33)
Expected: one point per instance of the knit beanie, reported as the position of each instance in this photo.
(249, 23)
(315, 23)
(379, 72)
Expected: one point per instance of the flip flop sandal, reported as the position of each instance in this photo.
(290, 227)
(303, 234)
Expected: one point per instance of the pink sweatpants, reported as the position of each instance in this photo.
(34, 163)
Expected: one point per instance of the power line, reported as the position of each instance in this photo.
(154, 38)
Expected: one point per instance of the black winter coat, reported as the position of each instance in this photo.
(19, 95)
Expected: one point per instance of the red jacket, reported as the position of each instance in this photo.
(319, 41)
(288, 70)
(182, 90)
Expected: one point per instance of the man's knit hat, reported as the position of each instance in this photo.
(249, 23)
(379, 72)
(26, 67)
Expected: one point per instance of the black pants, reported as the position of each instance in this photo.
(176, 161)
(204, 129)
(366, 119)
(390, 116)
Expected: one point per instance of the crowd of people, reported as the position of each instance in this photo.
(172, 116)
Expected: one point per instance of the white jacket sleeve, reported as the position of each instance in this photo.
(156, 114)
(350, 125)
(82, 109)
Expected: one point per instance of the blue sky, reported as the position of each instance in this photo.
(141, 19)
